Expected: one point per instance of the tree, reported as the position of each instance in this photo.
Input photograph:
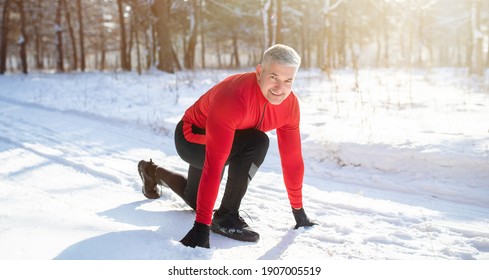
(383, 10)
(194, 20)
(279, 38)
(59, 38)
(326, 40)
(266, 7)
(81, 35)
(165, 52)
(475, 61)
(23, 37)
(37, 20)
(234, 29)
(110, 34)
(4, 36)
(71, 33)
(122, 43)
(202, 32)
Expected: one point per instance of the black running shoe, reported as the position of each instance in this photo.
(150, 189)
(233, 226)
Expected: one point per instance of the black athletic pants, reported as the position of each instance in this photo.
(247, 154)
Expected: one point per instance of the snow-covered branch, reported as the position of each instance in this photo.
(328, 7)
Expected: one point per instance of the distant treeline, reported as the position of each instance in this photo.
(171, 35)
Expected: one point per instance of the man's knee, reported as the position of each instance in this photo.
(261, 141)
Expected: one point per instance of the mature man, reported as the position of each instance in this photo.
(226, 126)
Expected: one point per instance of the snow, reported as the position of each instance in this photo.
(397, 167)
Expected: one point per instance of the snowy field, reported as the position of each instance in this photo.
(397, 167)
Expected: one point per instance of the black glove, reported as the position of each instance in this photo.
(301, 218)
(197, 236)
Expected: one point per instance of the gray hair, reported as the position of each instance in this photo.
(281, 54)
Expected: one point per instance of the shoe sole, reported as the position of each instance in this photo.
(150, 195)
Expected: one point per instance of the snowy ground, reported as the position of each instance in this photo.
(397, 167)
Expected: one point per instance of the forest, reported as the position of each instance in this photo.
(172, 35)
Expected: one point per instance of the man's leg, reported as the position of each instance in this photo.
(247, 154)
(183, 187)
(190, 192)
(176, 182)
(153, 175)
(194, 155)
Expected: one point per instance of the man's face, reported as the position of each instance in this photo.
(275, 81)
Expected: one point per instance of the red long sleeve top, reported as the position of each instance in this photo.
(237, 103)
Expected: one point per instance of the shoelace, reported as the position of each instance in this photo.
(246, 215)
(239, 218)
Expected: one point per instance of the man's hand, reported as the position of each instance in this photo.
(197, 236)
(301, 218)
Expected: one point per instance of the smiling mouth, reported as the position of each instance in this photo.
(274, 93)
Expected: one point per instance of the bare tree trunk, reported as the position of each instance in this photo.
(82, 38)
(165, 53)
(460, 47)
(59, 38)
(218, 54)
(37, 47)
(279, 38)
(330, 44)
(237, 62)
(103, 50)
(420, 35)
(23, 37)
(38, 37)
(136, 35)
(477, 37)
(148, 44)
(271, 23)
(5, 29)
(202, 32)
(320, 40)
(176, 62)
(72, 35)
(386, 38)
(378, 54)
(343, 44)
(131, 41)
(304, 38)
(122, 44)
(326, 41)
(150, 38)
(189, 57)
(487, 57)
(410, 45)
(265, 17)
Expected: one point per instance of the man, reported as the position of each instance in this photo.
(227, 126)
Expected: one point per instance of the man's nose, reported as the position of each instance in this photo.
(280, 85)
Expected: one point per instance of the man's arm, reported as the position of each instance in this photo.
(220, 129)
(290, 148)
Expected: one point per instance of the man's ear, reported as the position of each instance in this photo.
(258, 71)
